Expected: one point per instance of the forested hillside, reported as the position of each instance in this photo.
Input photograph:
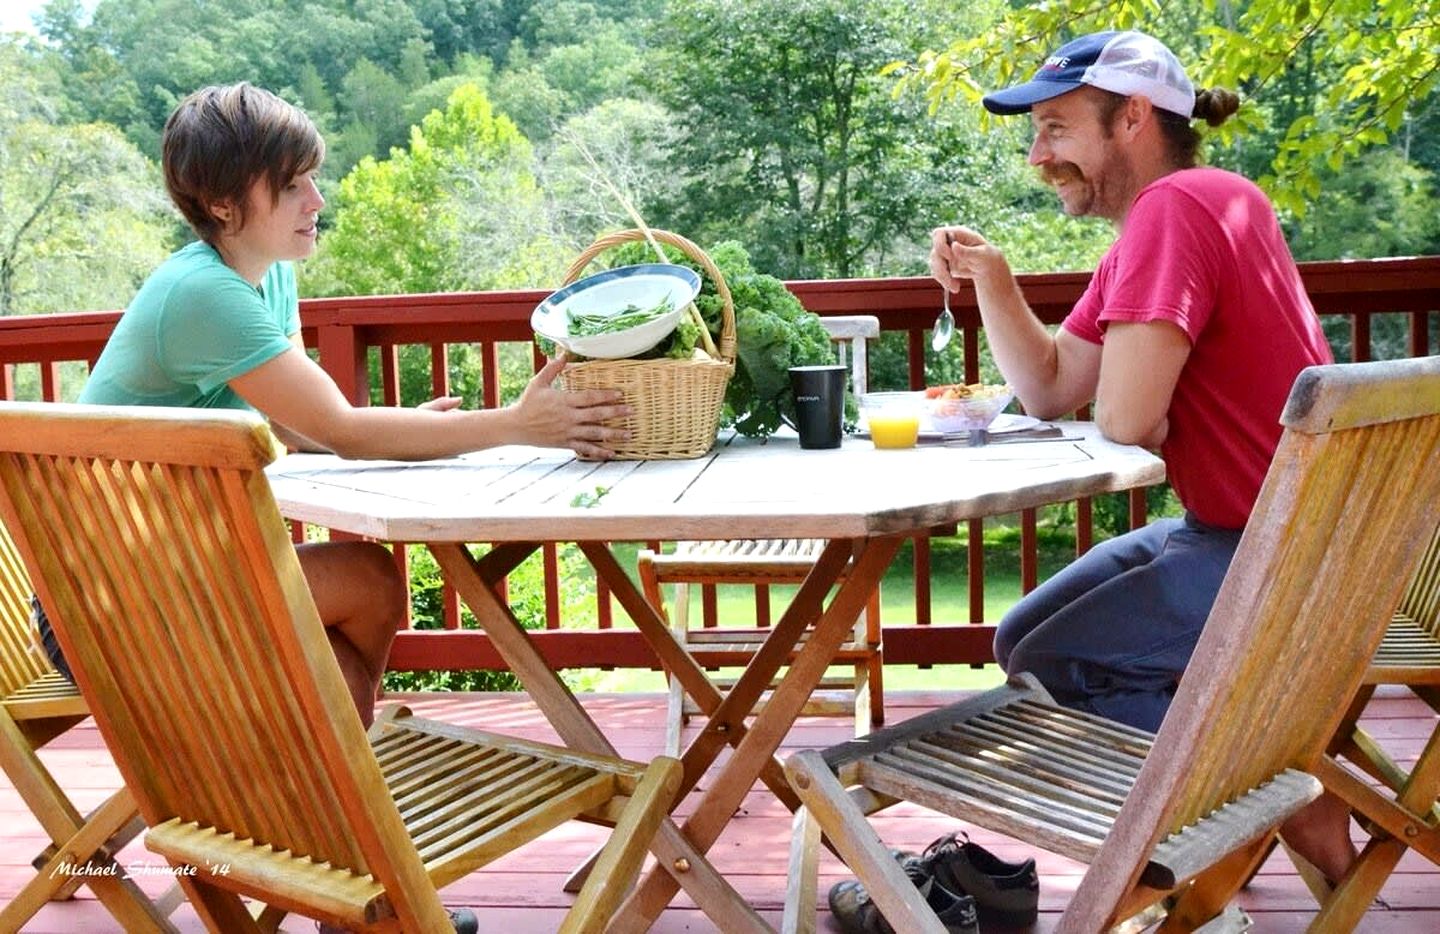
(468, 138)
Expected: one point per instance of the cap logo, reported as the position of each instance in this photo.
(1055, 63)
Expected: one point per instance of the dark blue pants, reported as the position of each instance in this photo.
(41, 622)
(1112, 632)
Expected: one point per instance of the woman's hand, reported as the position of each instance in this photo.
(551, 417)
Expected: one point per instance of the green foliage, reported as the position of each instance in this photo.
(794, 143)
(631, 142)
(81, 217)
(1329, 83)
(526, 587)
(452, 212)
(1378, 205)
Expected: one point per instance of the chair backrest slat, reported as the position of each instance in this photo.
(1350, 502)
(20, 659)
(1422, 598)
(192, 631)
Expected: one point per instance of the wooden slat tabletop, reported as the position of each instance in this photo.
(741, 489)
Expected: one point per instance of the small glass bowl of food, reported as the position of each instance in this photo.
(959, 407)
(893, 418)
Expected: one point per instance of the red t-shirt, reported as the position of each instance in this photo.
(1202, 248)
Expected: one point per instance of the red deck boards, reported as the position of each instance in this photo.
(521, 893)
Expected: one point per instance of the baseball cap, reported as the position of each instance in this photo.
(1123, 62)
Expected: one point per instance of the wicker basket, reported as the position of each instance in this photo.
(675, 403)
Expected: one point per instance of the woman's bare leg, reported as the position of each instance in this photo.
(361, 598)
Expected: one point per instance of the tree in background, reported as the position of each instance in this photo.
(82, 217)
(1319, 85)
(457, 210)
(792, 141)
(622, 145)
(577, 62)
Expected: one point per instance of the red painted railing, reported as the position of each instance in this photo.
(345, 330)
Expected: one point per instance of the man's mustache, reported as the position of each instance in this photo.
(1054, 173)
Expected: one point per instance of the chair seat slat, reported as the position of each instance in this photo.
(517, 792)
(1021, 816)
(1032, 775)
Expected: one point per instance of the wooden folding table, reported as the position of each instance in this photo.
(862, 500)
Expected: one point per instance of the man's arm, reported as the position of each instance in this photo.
(1052, 375)
(1131, 377)
(1139, 368)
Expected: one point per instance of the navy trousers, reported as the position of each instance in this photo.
(1112, 632)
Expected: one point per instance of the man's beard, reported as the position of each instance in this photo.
(1100, 194)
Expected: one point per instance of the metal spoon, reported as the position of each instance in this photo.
(944, 325)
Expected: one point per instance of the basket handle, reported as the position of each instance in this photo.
(727, 303)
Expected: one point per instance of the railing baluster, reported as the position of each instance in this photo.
(923, 567)
(1360, 337)
(1084, 526)
(1420, 335)
(551, 561)
(439, 370)
(1138, 508)
(50, 381)
(1029, 552)
(975, 563)
(389, 374)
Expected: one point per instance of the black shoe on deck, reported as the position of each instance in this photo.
(855, 913)
(1007, 895)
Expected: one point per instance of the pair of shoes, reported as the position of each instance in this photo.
(857, 914)
(1007, 895)
(462, 919)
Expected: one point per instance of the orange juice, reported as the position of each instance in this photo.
(894, 430)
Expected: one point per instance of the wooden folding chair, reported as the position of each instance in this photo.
(37, 704)
(182, 608)
(763, 564)
(1349, 503)
(1409, 816)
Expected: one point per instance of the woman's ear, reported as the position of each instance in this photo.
(223, 212)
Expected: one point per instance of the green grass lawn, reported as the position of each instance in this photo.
(950, 602)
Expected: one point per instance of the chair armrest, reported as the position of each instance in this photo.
(1206, 842)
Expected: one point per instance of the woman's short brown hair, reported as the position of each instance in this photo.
(222, 138)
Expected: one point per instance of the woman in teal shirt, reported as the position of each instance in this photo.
(217, 325)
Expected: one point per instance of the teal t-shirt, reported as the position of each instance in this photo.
(195, 325)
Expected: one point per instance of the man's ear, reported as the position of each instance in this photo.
(1135, 114)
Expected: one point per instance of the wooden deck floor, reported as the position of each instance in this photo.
(521, 893)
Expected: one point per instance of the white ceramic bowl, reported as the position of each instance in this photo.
(610, 292)
(972, 413)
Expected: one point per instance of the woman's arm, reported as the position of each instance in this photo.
(296, 394)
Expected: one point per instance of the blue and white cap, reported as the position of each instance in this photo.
(1122, 62)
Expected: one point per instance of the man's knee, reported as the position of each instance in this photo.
(1021, 620)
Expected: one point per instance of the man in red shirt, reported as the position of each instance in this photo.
(1187, 339)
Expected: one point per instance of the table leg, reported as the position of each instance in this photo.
(682, 861)
(727, 712)
(720, 800)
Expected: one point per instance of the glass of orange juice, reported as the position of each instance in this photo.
(892, 417)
